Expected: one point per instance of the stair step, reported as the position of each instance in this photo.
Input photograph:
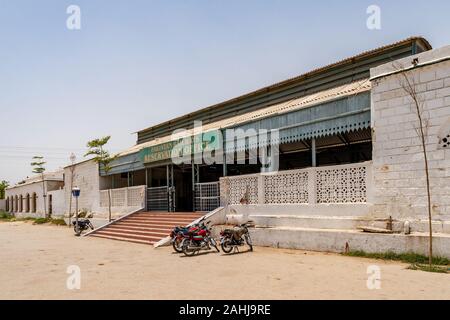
(136, 232)
(140, 228)
(128, 235)
(172, 220)
(166, 215)
(151, 225)
(155, 223)
(145, 227)
(123, 239)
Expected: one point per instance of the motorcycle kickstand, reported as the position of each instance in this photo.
(236, 249)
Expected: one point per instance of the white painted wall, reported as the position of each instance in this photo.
(398, 168)
(30, 188)
(2, 204)
(85, 177)
(58, 202)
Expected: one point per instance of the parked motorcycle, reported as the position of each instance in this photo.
(198, 240)
(179, 233)
(83, 224)
(233, 238)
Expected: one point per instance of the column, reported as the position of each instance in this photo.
(313, 152)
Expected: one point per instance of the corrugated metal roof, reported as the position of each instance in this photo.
(277, 109)
(418, 39)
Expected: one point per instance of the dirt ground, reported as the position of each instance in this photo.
(34, 261)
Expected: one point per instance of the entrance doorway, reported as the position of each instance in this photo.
(183, 188)
(182, 183)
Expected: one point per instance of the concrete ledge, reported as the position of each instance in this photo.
(336, 240)
(319, 222)
(342, 222)
(326, 210)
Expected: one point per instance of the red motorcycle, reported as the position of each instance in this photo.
(198, 240)
(177, 236)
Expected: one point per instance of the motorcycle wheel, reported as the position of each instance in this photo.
(185, 248)
(249, 242)
(214, 244)
(177, 245)
(77, 230)
(226, 245)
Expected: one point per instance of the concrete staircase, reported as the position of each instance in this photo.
(145, 227)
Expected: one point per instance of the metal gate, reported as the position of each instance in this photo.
(161, 199)
(158, 199)
(207, 196)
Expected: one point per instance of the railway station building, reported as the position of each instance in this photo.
(311, 160)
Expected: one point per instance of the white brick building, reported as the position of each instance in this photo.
(398, 165)
(349, 158)
(26, 199)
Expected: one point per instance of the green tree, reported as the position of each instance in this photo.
(96, 148)
(38, 168)
(3, 185)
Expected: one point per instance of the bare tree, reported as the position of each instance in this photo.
(409, 85)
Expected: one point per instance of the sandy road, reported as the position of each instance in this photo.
(34, 262)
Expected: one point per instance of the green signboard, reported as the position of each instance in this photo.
(157, 153)
(192, 145)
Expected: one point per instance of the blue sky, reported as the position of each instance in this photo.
(137, 63)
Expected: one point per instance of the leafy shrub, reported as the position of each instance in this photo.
(5, 215)
(41, 220)
(58, 222)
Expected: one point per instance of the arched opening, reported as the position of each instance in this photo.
(33, 202)
(12, 204)
(27, 203)
(16, 203)
(7, 204)
(50, 204)
(21, 203)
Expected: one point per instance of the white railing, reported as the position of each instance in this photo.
(124, 197)
(334, 184)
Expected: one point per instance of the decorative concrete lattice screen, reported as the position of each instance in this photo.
(286, 187)
(243, 188)
(341, 185)
(124, 197)
(334, 184)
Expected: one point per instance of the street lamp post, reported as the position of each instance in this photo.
(76, 194)
(73, 158)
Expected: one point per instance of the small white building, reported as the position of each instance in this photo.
(26, 198)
